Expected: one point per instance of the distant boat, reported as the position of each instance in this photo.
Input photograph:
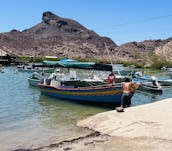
(29, 68)
(1, 71)
(169, 72)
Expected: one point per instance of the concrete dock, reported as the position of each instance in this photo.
(147, 125)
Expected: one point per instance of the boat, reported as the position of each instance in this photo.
(31, 68)
(169, 72)
(1, 71)
(138, 78)
(120, 70)
(101, 93)
(35, 79)
(165, 82)
(151, 84)
(83, 90)
(149, 87)
(34, 82)
(162, 81)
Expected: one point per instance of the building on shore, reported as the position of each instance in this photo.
(4, 58)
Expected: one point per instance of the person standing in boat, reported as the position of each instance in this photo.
(128, 91)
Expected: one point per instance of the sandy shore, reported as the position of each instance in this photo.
(142, 128)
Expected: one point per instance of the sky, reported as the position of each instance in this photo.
(121, 20)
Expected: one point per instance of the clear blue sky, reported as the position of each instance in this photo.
(121, 20)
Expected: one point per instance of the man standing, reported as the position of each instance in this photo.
(128, 91)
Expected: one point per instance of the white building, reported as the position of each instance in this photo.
(2, 53)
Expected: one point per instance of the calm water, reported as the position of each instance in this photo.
(29, 119)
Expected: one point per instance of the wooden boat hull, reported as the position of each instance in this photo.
(101, 94)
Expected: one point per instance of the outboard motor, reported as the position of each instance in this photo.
(155, 82)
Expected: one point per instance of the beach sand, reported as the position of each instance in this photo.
(141, 128)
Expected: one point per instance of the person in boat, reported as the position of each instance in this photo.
(111, 78)
(128, 91)
(72, 74)
(42, 72)
(33, 66)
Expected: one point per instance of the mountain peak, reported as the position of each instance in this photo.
(56, 36)
(49, 17)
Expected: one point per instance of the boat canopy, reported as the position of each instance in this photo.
(69, 63)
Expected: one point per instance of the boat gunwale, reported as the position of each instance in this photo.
(101, 87)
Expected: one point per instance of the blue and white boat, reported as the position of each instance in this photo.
(82, 90)
(98, 94)
(150, 84)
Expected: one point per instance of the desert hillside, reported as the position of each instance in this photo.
(61, 36)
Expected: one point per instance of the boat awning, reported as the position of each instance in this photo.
(51, 63)
(69, 63)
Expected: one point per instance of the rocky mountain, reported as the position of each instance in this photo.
(60, 36)
(140, 51)
(56, 36)
(165, 50)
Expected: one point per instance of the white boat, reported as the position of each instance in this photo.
(148, 86)
(166, 82)
(162, 82)
(35, 79)
(151, 84)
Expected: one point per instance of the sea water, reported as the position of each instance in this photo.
(29, 119)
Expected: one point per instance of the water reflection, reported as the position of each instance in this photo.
(61, 107)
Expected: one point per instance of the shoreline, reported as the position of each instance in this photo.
(85, 142)
(145, 128)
